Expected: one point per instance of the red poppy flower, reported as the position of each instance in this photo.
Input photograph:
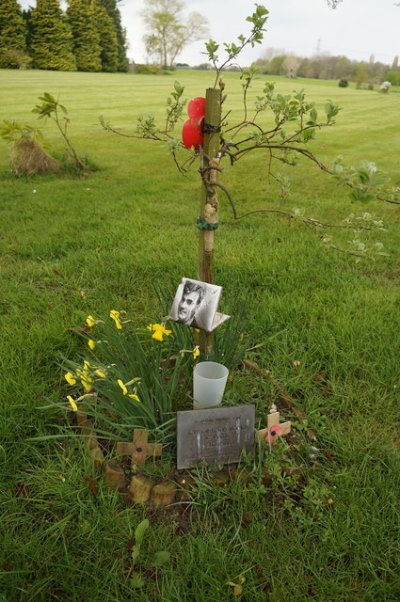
(273, 433)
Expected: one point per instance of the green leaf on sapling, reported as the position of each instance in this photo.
(308, 135)
(313, 115)
(212, 47)
(331, 110)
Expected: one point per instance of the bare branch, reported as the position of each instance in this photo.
(109, 128)
(346, 251)
(307, 221)
(284, 147)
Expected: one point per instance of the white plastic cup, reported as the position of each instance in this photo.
(209, 381)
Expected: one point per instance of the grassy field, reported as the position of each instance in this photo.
(71, 247)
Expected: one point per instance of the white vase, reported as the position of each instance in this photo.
(209, 381)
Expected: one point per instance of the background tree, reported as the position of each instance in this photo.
(361, 75)
(112, 9)
(27, 16)
(291, 65)
(393, 77)
(169, 32)
(85, 34)
(343, 67)
(51, 40)
(323, 66)
(12, 35)
(108, 40)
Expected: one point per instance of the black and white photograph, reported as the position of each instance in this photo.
(196, 303)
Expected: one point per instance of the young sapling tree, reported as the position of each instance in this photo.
(295, 124)
(50, 108)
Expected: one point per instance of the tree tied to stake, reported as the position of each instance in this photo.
(295, 123)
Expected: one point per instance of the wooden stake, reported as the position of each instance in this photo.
(209, 197)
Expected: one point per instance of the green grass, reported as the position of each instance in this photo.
(70, 247)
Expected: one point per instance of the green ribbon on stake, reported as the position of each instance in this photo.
(202, 224)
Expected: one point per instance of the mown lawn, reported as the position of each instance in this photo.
(72, 247)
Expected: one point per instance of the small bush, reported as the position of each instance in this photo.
(11, 58)
(343, 83)
(393, 77)
(385, 87)
(148, 69)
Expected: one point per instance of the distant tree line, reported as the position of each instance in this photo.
(88, 36)
(364, 73)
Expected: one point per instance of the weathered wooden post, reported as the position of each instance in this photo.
(208, 220)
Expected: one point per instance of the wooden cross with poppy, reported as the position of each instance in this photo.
(275, 428)
(139, 449)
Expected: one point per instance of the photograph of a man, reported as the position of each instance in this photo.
(196, 304)
(192, 296)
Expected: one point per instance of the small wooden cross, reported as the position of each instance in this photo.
(274, 420)
(139, 449)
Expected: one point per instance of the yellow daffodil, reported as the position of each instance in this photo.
(70, 378)
(237, 587)
(123, 387)
(115, 315)
(195, 352)
(86, 383)
(90, 321)
(85, 377)
(72, 403)
(100, 373)
(159, 331)
(125, 390)
(91, 344)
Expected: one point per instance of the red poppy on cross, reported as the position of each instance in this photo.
(275, 428)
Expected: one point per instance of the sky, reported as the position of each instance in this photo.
(356, 28)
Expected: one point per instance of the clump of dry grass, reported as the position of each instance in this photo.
(28, 158)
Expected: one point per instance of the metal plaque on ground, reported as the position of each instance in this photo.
(215, 435)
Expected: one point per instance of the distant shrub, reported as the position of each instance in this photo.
(12, 58)
(393, 77)
(147, 69)
(203, 67)
(385, 87)
(343, 83)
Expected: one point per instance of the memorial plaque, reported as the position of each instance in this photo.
(215, 436)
